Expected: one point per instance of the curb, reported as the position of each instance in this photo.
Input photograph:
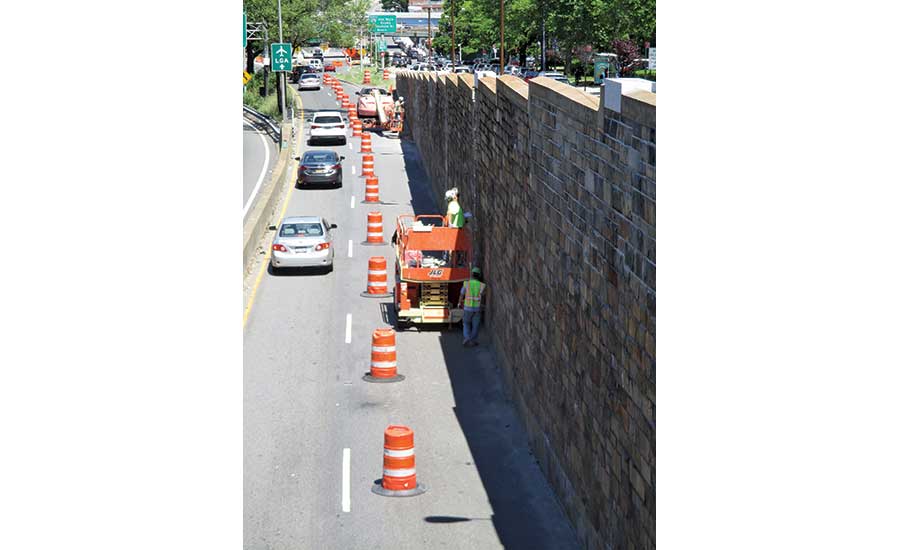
(258, 219)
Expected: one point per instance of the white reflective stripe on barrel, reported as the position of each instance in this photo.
(400, 473)
(384, 349)
(395, 453)
(383, 364)
(376, 234)
(378, 272)
(375, 224)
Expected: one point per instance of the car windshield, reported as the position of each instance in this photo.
(369, 91)
(327, 120)
(319, 156)
(307, 229)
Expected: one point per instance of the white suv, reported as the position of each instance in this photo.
(316, 65)
(328, 126)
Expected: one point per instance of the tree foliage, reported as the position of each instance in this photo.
(337, 22)
(570, 23)
(394, 5)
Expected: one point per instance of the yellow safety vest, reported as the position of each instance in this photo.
(474, 289)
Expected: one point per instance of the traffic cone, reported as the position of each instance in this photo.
(357, 127)
(376, 283)
(372, 191)
(385, 74)
(351, 112)
(345, 101)
(383, 366)
(365, 146)
(374, 230)
(367, 76)
(399, 465)
(368, 165)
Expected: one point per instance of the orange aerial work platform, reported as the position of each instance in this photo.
(433, 262)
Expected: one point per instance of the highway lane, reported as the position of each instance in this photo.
(260, 154)
(305, 403)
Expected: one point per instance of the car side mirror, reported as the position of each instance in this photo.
(272, 228)
(334, 226)
(343, 157)
(357, 93)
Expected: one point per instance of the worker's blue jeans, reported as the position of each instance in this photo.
(471, 321)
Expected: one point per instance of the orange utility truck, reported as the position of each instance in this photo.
(433, 262)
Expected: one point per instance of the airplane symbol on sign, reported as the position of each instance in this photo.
(281, 50)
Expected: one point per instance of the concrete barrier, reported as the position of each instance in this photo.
(265, 210)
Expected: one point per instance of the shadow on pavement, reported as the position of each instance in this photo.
(298, 271)
(526, 513)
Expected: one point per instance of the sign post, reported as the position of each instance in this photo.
(281, 57)
(652, 63)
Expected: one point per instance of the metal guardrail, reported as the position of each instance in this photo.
(273, 129)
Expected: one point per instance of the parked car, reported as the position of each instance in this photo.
(310, 81)
(528, 75)
(462, 69)
(320, 167)
(559, 77)
(302, 241)
(327, 126)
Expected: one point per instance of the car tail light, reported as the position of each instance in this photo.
(304, 167)
(279, 247)
(314, 126)
(341, 126)
(323, 246)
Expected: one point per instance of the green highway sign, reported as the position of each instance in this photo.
(381, 45)
(383, 23)
(245, 29)
(281, 57)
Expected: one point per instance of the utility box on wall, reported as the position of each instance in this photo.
(615, 87)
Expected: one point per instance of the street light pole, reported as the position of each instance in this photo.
(453, 37)
(501, 37)
(281, 73)
(429, 36)
(543, 39)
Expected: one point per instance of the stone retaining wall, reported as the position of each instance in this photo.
(563, 193)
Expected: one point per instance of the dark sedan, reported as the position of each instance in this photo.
(320, 167)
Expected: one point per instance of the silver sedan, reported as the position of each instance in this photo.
(310, 81)
(302, 241)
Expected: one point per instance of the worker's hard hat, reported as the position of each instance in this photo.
(451, 194)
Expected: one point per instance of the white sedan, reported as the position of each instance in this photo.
(327, 126)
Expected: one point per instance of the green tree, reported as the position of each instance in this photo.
(394, 5)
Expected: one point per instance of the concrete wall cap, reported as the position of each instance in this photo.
(569, 92)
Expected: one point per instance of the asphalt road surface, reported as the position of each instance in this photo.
(260, 154)
(313, 429)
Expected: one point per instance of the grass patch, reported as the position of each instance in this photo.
(267, 105)
(355, 75)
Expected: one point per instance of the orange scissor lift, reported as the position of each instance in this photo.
(433, 262)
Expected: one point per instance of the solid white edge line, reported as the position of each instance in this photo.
(345, 481)
(262, 174)
(349, 320)
(353, 170)
(350, 143)
(350, 249)
(352, 201)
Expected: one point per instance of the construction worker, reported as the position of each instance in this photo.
(471, 298)
(455, 216)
